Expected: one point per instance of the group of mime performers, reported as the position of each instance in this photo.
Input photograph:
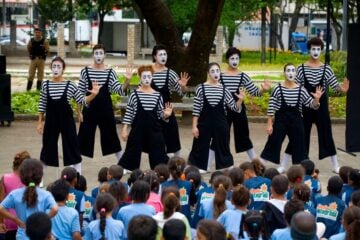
(150, 125)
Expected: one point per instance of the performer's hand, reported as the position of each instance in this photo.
(241, 94)
(80, 117)
(40, 128)
(269, 129)
(318, 92)
(265, 85)
(95, 88)
(124, 134)
(129, 72)
(184, 78)
(195, 132)
(168, 110)
(344, 87)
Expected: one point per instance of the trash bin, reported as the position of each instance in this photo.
(6, 115)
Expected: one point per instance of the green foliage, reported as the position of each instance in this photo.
(54, 10)
(183, 13)
(25, 103)
(338, 61)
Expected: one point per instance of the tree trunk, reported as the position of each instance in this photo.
(295, 16)
(194, 58)
(263, 35)
(338, 28)
(101, 26)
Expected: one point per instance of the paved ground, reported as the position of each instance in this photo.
(22, 135)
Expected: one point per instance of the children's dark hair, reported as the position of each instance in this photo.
(212, 230)
(69, 174)
(174, 229)
(280, 184)
(354, 178)
(140, 191)
(102, 174)
(81, 184)
(151, 177)
(104, 203)
(176, 167)
(31, 173)
(116, 171)
(253, 223)
(355, 198)
(240, 196)
(270, 173)
(157, 48)
(308, 166)
(134, 176)
(142, 227)
(315, 42)
(351, 217)
(231, 51)
(98, 46)
(222, 185)
(214, 175)
(295, 174)
(334, 185)
(170, 199)
(118, 191)
(236, 175)
(213, 64)
(344, 173)
(19, 158)
(38, 226)
(58, 59)
(291, 207)
(255, 165)
(195, 178)
(302, 192)
(162, 171)
(60, 190)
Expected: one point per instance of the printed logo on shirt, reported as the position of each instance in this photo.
(206, 195)
(71, 201)
(327, 211)
(309, 184)
(88, 209)
(260, 194)
(184, 198)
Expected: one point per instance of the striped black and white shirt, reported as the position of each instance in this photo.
(291, 97)
(100, 76)
(148, 101)
(213, 94)
(56, 90)
(232, 82)
(159, 79)
(314, 75)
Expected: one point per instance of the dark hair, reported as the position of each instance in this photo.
(60, 190)
(214, 175)
(351, 217)
(270, 173)
(174, 229)
(355, 198)
(31, 173)
(58, 59)
(221, 184)
(308, 166)
(140, 191)
(302, 192)
(295, 174)
(344, 173)
(236, 175)
(118, 191)
(37, 29)
(81, 184)
(170, 199)
(162, 171)
(291, 207)
(288, 64)
(142, 227)
(116, 171)
(157, 48)
(104, 203)
(195, 178)
(151, 177)
(19, 158)
(354, 177)
(240, 196)
(176, 167)
(98, 46)
(255, 165)
(280, 184)
(334, 185)
(231, 51)
(213, 64)
(253, 223)
(315, 42)
(303, 226)
(211, 229)
(38, 226)
(134, 176)
(70, 175)
(102, 174)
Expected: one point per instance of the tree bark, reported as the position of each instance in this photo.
(101, 26)
(194, 58)
(263, 35)
(295, 16)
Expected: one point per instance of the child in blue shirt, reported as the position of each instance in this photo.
(89, 213)
(119, 192)
(351, 224)
(106, 227)
(29, 199)
(38, 226)
(66, 223)
(314, 184)
(303, 193)
(329, 208)
(295, 175)
(354, 184)
(102, 177)
(193, 175)
(346, 189)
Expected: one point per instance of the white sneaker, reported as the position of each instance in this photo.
(126, 171)
(336, 170)
(202, 171)
(281, 169)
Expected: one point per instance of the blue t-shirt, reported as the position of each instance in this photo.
(281, 234)
(346, 193)
(89, 213)
(314, 185)
(202, 194)
(329, 210)
(65, 223)
(76, 199)
(207, 208)
(259, 188)
(128, 212)
(45, 202)
(231, 220)
(339, 236)
(114, 229)
(310, 209)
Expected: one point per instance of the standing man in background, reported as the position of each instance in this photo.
(38, 48)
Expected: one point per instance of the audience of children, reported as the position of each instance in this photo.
(309, 180)
(174, 229)
(302, 192)
(154, 199)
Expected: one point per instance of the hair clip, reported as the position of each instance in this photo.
(171, 194)
(103, 210)
(298, 179)
(32, 184)
(65, 177)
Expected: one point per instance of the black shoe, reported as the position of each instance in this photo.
(29, 85)
(38, 85)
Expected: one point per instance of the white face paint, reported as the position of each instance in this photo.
(315, 52)
(214, 72)
(234, 60)
(99, 56)
(146, 78)
(161, 57)
(290, 73)
(57, 68)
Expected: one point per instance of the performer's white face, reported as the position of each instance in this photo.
(57, 68)
(214, 72)
(290, 73)
(99, 56)
(315, 52)
(234, 61)
(146, 78)
(161, 57)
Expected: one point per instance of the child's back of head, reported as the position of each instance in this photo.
(140, 191)
(151, 177)
(354, 178)
(142, 228)
(102, 174)
(115, 172)
(344, 173)
(38, 226)
(295, 174)
(253, 224)
(162, 171)
(60, 190)
(270, 173)
(280, 184)
(308, 166)
(355, 198)
(334, 185)
(81, 184)
(291, 207)
(174, 229)
(236, 175)
(240, 196)
(176, 167)
(134, 176)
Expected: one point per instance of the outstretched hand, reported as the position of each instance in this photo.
(184, 78)
(241, 94)
(344, 86)
(266, 85)
(318, 92)
(95, 88)
(129, 72)
(168, 110)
